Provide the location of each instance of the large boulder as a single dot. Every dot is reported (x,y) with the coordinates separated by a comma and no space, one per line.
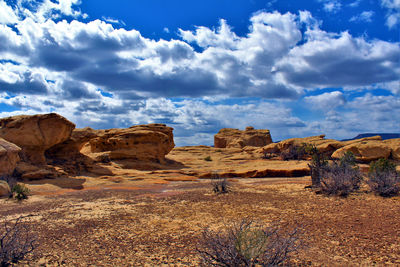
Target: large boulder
(365,150)
(235,138)
(35,134)
(4,189)
(8,157)
(394,145)
(142,142)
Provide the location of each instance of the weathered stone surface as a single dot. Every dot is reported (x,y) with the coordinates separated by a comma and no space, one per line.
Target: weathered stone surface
(365,151)
(229,138)
(143,142)
(8,157)
(72,147)
(35,134)
(4,189)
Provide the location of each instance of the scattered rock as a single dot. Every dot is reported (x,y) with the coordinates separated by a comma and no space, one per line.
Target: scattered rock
(8,157)
(228,138)
(35,134)
(4,189)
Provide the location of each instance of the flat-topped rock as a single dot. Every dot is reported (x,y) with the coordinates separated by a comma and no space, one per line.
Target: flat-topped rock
(228,138)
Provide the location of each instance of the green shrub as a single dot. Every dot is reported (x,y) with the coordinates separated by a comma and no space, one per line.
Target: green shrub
(317,166)
(208,158)
(20,191)
(383,178)
(296,152)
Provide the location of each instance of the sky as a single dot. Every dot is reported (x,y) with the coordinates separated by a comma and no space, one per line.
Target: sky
(298,68)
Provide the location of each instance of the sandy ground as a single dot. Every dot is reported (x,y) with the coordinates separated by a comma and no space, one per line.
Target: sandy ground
(113,223)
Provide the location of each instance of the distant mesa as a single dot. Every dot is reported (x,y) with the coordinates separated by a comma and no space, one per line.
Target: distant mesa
(235,138)
(384,136)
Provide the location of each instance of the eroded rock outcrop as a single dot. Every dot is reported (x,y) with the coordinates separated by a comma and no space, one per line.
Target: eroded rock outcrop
(235,138)
(35,134)
(8,157)
(366,149)
(326,146)
(142,142)
(71,148)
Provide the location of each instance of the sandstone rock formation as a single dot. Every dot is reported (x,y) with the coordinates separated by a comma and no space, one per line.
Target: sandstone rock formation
(35,134)
(4,189)
(229,138)
(142,142)
(8,157)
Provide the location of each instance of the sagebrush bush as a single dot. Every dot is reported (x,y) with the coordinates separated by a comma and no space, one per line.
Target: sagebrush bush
(219,185)
(296,152)
(317,166)
(341,177)
(16,241)
(248,244)
(383,178)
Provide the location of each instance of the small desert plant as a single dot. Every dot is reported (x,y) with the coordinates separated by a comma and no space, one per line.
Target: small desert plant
(208,158)
(20,191)
(15,242)
(341,177)
(296,152)
(383,178)
(219,185)
(317,166)
(248,244)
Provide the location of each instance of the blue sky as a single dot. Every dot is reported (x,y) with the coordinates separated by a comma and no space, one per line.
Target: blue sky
(298,68)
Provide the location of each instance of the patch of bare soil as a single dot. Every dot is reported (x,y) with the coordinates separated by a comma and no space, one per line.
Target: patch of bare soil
(160,224)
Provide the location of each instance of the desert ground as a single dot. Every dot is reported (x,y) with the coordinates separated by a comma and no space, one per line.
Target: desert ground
(155,216)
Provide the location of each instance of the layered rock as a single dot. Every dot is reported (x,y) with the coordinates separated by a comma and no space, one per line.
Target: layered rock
(142,142)
(235,138)
(394,145)
(8,157)
(35,134)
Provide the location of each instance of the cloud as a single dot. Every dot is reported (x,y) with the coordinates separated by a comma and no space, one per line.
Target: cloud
(7,14)
(326,101)
(355,3)
(393,12)
(331,6)
(365,16)
(48,63)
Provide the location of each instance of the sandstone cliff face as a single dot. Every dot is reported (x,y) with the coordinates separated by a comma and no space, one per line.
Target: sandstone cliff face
(234,138)
(4,189)
(8,157)
(35,134)
(142,142)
